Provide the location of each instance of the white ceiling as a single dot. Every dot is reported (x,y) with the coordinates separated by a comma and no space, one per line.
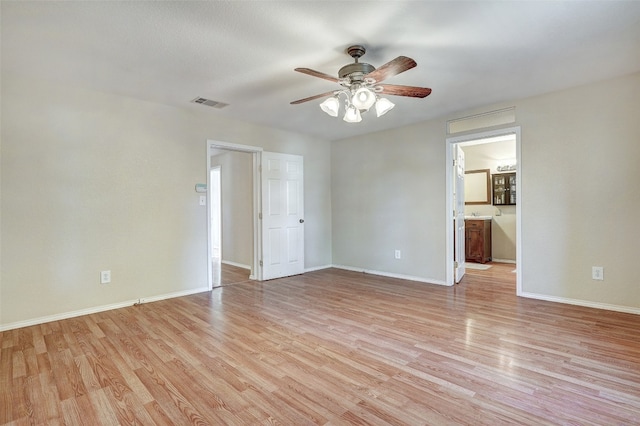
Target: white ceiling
(243,53)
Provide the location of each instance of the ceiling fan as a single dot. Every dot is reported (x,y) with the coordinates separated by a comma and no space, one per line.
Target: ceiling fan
(361,86)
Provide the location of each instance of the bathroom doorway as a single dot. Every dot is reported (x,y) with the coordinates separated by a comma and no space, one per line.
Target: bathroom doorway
(493,150)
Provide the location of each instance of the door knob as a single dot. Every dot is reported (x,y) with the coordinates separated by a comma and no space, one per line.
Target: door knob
(301,220)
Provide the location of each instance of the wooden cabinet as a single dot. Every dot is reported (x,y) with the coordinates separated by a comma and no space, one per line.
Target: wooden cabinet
(477,240)
(504,189)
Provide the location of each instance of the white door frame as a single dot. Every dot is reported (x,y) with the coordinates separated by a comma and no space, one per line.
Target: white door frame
(450,141)
(256,271)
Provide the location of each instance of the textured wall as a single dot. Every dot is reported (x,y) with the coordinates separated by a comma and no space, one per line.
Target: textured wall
(579,174)
(92,181)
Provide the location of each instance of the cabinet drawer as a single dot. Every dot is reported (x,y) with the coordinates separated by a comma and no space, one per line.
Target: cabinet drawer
(471,223)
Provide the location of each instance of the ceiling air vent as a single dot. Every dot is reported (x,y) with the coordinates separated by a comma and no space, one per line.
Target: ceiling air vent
(209,102)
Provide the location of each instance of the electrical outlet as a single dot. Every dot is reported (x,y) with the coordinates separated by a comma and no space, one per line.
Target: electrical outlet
(398,254)
(105,277)
(597,273)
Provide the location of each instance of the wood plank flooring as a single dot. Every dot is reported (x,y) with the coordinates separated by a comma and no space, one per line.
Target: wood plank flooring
(229,274)
(234,274)
(330,347)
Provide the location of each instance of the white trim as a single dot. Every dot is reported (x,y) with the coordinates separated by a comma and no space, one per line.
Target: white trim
(318,268)
(499,113)
(584,303)
(256,270)
(96,309)
(238,265)
(450,141)
(232,146)
(503,260)
(390,275)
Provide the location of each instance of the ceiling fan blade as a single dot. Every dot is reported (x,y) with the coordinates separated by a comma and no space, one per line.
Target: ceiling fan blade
(412,91)
(391,68)
(310,98)
(318,74)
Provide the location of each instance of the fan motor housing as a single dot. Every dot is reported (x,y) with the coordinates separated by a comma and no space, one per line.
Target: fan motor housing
(358,67)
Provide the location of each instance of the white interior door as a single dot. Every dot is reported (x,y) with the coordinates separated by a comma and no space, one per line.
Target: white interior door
(282,215)
(458,195)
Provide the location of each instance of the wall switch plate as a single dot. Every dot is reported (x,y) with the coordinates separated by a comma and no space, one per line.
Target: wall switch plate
(105,277)
(203,200)
(597,273)
(398,254)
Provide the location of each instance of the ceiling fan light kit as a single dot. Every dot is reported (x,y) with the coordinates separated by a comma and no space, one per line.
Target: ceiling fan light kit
(331,106)
(352,115)
(363,99)
(383,105)
(361,86)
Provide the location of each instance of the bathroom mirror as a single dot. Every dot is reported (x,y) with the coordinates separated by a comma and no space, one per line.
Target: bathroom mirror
(477,186)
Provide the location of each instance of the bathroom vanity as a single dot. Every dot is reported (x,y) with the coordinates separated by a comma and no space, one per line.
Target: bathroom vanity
(477,238)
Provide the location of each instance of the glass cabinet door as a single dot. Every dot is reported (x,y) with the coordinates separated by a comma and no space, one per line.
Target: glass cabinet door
(504,189)
(512,189)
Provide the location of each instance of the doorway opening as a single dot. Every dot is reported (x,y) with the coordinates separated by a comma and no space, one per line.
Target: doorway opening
(250,248)
(276,235)
(491,211)
(215,199)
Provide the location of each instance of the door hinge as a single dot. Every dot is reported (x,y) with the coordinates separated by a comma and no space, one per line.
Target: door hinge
(455,265)
(261,263)
(260,215)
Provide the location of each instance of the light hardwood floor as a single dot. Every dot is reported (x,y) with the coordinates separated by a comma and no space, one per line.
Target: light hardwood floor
(330,347)
(229,274)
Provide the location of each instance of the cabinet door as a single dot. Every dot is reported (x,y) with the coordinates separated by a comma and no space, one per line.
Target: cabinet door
(474,247)
(478,240)
(499,190)
(504,189)
(475,244)
(512,189)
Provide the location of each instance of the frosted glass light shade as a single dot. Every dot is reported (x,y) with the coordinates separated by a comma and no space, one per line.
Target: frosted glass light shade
(363,99)
(331,106)
(383,106)
(352,115)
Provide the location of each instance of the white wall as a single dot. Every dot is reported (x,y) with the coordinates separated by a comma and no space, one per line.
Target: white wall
(93,181)
(579,173)
(388,194)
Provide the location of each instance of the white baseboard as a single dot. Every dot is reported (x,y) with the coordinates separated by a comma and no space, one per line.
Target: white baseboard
(317,268)
(579,302)
(391,275)
(239,265)
(96,309)
(503,261)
